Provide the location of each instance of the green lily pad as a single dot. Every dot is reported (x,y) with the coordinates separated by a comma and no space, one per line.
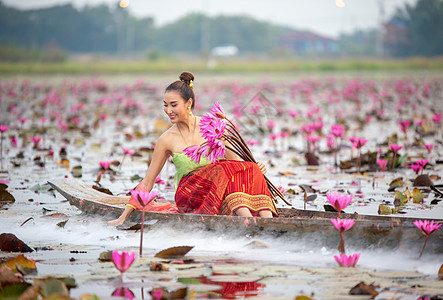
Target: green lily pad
(417,195)
(13,291)
(383,209)
(6,197)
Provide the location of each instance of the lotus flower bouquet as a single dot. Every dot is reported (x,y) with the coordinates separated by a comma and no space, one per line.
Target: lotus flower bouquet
(221,134)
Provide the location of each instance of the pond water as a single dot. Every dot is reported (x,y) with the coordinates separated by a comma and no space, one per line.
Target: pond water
(102,115)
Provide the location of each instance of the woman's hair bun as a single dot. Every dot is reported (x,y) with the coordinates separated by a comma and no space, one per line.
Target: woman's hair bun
(186,77)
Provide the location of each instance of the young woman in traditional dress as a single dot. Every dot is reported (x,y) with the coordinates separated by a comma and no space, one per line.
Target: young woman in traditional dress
(227,187)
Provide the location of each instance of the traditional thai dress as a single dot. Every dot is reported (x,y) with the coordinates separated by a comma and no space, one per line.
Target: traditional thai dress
(220,188)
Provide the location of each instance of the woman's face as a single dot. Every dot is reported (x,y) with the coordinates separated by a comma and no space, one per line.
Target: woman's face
(175,106)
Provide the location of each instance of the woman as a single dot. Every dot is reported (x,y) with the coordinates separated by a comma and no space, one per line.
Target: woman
(228,187)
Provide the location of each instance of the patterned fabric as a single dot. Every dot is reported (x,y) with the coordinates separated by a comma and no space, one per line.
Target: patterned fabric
(223,187)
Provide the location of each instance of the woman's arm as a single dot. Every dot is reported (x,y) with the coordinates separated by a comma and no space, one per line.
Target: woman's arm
(158,161)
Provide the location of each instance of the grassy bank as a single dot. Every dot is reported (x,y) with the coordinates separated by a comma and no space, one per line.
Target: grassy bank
(221,66)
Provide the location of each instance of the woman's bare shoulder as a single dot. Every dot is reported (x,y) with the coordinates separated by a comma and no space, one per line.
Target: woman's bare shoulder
(165,141)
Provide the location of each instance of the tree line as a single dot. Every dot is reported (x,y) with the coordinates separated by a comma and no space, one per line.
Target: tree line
(48,33)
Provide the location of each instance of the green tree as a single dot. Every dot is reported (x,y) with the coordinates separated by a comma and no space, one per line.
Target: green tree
(424,23)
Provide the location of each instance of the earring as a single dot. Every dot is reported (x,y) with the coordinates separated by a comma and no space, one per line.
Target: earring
(190,111)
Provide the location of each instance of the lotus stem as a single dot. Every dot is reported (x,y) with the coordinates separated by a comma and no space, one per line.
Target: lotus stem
(341,246)
(141,232)
(424,245)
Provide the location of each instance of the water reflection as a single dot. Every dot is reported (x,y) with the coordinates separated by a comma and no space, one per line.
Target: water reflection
(123,292)
(228,289)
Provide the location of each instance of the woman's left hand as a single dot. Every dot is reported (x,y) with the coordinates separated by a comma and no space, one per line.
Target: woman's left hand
(262,167)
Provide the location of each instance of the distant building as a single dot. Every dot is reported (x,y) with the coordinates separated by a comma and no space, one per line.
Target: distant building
(225,50)
(395,37)
(305,42)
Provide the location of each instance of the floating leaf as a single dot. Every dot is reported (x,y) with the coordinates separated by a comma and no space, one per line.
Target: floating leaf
(136,178)
(21,264)
(257,245)
(158,267)
(329,207)
(401,159)
(417,195)
(62,223)
(102,189)
(435,201)
(364,289)
(174,252)
(105,256)
(3,186)
(13,291)
(6,197)
(399,198)
(307,188)
(52,286)
(7,276)
(302,297)
(285,173)
(311,198)
(408,195)
(398,182)
(383,209)
(77,171)
(423,180)
(177,294)
(440,273)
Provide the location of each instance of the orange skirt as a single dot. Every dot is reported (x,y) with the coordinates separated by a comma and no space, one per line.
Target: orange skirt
(222,187)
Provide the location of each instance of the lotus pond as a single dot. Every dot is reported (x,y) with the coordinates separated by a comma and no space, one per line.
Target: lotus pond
(368,135)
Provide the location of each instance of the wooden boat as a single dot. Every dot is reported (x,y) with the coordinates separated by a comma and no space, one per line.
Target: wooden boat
(315,226)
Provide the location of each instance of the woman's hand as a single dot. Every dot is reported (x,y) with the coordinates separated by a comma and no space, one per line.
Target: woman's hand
(262,167)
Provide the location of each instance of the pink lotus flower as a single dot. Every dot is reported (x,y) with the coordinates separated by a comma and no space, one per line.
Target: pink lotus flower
(422,162)
(35,140)
(271,125)
(437,117)
(337,130)
(427,228)
(14,141)
(193,153)
(127,151)
(217,111)
(4,128)
(382,163)
(404,125)
(342,225)
(338,201)
(122,261)
(22,120)
(144,197)
(395,147)
(347,261)
(416,167)
(104,164)
(126,293)
(217,150)
(358,142)
(428,147)
(273,136)
(252,142)
(212,128)
(293,113)
(158,180)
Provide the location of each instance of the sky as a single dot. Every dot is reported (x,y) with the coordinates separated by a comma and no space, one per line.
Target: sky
(326,17)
